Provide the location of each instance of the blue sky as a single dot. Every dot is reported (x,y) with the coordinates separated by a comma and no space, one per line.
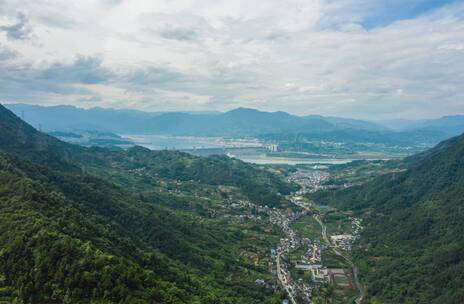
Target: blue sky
(395,10)
(357,58)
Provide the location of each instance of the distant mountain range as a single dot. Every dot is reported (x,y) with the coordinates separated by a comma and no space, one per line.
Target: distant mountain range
(238,122)
(451,125)
(241,122)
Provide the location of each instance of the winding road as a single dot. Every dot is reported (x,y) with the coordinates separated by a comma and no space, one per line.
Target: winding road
(361,292)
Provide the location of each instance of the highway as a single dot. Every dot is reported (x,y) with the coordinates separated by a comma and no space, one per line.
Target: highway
(361,292)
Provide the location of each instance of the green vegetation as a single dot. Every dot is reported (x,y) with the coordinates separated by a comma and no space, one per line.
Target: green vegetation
(411,250)
(146,166)
(331,260)
(331,294)
(83,225)
(361,171)
(100,225)
(337,222)
(308,227)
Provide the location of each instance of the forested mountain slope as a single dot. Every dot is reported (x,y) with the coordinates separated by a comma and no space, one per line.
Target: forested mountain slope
(21,139)
(69,236)
(412,249)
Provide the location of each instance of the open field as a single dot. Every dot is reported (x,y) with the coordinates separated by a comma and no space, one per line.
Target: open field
(307,227)
(337,223)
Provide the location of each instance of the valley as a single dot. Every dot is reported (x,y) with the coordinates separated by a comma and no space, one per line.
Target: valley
(174,227)
(231,152)
(311,264)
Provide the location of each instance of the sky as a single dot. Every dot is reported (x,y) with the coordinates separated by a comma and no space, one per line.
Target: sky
(370,59)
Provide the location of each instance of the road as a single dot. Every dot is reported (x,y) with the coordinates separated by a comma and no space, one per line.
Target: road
(283,282)
(361,292)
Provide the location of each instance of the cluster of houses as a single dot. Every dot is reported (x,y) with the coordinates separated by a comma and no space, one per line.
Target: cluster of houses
(308,180)
(345,241)
(247,211)
(311,258)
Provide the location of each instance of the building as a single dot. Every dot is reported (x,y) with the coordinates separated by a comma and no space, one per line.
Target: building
(272,147)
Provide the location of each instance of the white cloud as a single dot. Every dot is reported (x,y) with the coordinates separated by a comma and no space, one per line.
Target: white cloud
(302,56)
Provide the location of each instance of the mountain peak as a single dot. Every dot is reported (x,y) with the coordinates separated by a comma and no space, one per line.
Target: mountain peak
(243,110)
(251,111)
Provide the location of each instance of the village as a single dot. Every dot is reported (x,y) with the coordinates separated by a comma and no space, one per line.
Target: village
(298,261)
(311,259)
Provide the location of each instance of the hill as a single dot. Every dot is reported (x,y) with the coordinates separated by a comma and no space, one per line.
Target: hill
(112,226)
(412,247)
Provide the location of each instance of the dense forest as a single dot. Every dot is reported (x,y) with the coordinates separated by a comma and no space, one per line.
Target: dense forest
(412,249)
(75,226)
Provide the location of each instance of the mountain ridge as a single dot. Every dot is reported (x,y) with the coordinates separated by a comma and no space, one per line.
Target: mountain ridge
(50,118)
(239,122)
(413,224)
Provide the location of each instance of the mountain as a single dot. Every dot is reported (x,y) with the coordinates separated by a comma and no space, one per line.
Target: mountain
(348,123)
(66,118)
(449,125)
(239,122)
(97,225)
(23,140)
(412,248)
(292,133)
(399,125)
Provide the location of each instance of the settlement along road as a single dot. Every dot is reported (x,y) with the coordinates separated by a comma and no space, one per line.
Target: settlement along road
(360,298)
(284,281)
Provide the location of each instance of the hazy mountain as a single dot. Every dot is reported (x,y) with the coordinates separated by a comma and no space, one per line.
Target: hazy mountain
(241,122)
(450,125)
(238,122)
(65,118)
(413,228)
(399,124)
(349,123)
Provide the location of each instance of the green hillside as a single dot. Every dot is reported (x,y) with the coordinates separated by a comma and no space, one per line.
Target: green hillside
(412,249)
(81,225)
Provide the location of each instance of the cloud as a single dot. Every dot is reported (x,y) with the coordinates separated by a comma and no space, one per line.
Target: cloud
(84,69)
(6,53)
(21,30)
(179,34)
(152,77)
(359,58)
(51,82)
